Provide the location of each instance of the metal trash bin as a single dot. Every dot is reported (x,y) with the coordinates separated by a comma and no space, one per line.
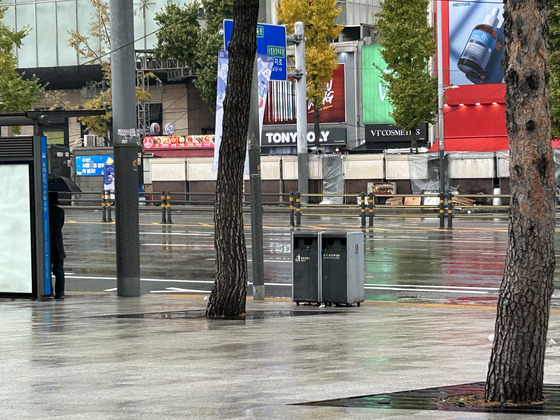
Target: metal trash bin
(305,267)
(342,268)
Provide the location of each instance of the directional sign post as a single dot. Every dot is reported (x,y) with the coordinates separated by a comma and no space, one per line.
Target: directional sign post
(271,40)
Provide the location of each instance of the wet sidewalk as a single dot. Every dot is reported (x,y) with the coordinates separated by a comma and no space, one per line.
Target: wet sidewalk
(98,356)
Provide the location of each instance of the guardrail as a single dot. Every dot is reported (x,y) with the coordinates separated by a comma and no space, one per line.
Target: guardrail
(365,207)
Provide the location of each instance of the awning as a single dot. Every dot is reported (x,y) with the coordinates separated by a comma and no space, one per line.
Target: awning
(472,144)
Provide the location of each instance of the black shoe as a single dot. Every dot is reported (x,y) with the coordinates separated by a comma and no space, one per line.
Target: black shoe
(59,297)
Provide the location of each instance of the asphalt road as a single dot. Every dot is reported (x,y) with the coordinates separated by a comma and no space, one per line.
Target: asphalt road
(405,258)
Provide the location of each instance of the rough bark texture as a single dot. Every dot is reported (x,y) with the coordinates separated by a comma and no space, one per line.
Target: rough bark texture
(230,286)
(515,371)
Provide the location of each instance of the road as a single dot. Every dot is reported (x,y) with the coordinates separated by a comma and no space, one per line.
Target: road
(405,258)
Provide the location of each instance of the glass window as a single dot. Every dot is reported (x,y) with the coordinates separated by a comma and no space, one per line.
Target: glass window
(25,16)
(46,41)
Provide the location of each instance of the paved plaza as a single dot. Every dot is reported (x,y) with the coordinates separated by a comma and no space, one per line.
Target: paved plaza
(95,355)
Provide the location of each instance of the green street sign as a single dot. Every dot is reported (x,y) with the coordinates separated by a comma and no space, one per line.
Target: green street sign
(275,51)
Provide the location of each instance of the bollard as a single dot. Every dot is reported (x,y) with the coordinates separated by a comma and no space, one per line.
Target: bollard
(450,211)
(168,200)
(163,219)
(298,209)
(441,210)
(363,209)
(370,207)
(108,200)
(291,209)
(103,208)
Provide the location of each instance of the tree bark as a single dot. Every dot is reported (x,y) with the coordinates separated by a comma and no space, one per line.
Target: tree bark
(515,372)
(229,292)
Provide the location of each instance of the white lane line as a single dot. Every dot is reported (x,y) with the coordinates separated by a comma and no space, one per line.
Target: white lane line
(434,287)
(399,289)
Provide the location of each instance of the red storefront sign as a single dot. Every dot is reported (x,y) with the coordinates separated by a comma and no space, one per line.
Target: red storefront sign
(178,142)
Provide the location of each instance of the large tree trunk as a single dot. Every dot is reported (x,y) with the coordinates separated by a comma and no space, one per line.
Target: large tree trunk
(515,371)
(230,286)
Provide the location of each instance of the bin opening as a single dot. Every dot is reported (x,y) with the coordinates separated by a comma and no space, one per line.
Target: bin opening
(332,241)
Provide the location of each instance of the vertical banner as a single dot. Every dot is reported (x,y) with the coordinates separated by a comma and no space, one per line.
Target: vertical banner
(109,176)
(45,218)
(220,97)
(376,106)
(264,70)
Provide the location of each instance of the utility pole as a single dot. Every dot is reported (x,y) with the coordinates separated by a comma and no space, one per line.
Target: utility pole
(254,139)
(301,111)
(126,149)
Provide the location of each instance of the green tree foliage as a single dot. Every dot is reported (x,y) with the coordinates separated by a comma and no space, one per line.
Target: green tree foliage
(408,44)
(16,93)
(319,18)
(554,65)
(181,36)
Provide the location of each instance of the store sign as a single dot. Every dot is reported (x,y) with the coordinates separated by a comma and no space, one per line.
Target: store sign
(178,142)
(390,133)
(329,137)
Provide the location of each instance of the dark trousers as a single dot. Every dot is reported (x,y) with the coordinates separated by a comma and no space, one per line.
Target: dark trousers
(58,271)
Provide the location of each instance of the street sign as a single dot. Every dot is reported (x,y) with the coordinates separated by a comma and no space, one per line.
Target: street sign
(127,132)
(271,40)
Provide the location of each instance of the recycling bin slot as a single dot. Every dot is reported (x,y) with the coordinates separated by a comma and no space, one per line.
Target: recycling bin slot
(342,268)
(305,267)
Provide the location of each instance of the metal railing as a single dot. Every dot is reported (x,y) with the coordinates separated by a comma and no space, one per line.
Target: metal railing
(366,207)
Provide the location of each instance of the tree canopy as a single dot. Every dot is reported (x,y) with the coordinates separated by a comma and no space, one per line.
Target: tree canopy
(16,93)
(181,36)
(319,17)
(408,45)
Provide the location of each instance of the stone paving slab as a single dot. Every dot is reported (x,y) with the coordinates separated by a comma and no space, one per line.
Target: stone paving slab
(92,356)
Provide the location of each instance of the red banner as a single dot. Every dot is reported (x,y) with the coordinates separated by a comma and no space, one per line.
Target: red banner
(281,101)
(178,142)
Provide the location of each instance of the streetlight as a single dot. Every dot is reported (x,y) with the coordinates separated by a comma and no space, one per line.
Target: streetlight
(441,90)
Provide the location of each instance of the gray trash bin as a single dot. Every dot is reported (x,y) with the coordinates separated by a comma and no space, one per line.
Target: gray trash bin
(342,268)
(305,267)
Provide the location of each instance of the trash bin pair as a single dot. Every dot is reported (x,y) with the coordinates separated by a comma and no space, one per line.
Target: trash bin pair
(328,267)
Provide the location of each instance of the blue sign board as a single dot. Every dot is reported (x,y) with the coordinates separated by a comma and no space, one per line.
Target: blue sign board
(271,40)
(91,165)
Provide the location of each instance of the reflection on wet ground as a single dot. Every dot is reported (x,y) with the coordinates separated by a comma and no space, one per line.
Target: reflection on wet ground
(201,315)
(405,259)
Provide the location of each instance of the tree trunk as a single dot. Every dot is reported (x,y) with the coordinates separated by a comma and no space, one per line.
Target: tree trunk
(516,367)
(230,286)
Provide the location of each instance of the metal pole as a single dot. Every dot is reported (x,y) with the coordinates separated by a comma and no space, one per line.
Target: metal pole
(440,102)
(253,136)
(301,112)
(126,168)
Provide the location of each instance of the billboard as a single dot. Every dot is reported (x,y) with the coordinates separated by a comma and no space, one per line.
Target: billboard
(476,40)
(376,106)
(91,165)
(281,101)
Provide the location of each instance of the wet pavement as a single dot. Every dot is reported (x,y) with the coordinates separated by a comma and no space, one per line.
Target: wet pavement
(94,355)
(430,307)
(405,258)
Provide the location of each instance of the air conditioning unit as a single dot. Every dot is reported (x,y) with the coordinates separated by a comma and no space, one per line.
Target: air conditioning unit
(90,140)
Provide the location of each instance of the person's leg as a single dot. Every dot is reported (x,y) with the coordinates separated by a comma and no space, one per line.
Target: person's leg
(58,271)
